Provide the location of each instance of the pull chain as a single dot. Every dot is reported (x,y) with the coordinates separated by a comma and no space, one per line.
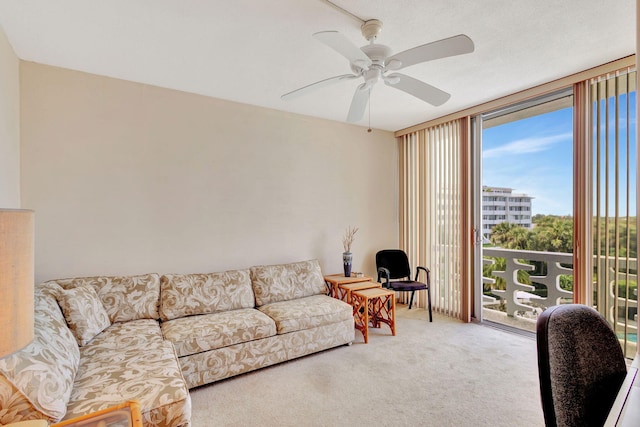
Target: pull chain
(369,130)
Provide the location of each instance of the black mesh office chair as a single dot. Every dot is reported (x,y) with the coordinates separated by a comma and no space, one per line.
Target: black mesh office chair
(580,365)
(393,264)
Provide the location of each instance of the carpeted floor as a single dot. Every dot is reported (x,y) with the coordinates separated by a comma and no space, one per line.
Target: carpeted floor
(444,373)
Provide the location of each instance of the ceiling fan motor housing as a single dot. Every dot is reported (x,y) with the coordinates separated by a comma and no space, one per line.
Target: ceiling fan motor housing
(378,53)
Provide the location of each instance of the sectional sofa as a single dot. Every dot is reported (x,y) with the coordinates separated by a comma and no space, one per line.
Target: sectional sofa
(103,340)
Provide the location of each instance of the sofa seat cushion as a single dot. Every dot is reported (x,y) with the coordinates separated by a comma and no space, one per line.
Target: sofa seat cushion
(131,361)
(134,334)
(307,313)
(196,334)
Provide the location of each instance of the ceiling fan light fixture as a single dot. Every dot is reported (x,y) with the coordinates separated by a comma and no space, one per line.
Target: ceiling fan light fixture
(372,76)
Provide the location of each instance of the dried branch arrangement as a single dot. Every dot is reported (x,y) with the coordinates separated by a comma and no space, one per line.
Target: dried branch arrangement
(348,238)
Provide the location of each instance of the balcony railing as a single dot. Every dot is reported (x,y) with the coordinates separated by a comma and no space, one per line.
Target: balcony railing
(523,302)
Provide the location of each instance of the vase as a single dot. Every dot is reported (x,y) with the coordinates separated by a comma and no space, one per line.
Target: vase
(347,257)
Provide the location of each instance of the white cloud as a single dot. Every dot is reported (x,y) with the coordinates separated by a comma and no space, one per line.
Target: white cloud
(526,145)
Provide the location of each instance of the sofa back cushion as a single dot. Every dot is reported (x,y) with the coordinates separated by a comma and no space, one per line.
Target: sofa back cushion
(275,283)
(36,382)
(124,297)
(192,294)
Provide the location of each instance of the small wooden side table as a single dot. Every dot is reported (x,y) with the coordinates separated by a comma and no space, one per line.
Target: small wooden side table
(345,290)
(335,280)
(375,305)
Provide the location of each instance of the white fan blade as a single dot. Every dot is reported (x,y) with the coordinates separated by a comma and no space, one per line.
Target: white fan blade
(452,46)
(419,89)
(313,86)
(344,47)
(359,103)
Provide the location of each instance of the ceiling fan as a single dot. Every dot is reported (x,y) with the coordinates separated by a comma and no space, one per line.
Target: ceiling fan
(375,62)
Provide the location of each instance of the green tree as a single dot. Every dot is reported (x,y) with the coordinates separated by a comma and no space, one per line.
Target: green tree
(510,236)
(552,234)
(549,234)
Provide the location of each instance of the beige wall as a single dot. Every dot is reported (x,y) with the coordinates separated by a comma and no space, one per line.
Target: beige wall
(9,126)
(127,178)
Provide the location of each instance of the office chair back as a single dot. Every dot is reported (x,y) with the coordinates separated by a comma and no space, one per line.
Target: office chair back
(396,261)
(580,365)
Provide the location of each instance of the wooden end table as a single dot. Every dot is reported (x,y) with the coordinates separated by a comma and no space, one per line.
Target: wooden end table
(335,280)
(375,305)
(345,290)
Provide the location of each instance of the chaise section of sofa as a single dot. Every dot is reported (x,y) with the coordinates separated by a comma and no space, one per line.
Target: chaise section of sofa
(76,366)
(129,360)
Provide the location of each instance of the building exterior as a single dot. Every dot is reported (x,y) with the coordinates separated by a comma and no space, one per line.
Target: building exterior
(500,204)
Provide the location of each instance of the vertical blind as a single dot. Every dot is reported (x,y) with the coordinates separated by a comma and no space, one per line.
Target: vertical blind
(431,214)
(614,208)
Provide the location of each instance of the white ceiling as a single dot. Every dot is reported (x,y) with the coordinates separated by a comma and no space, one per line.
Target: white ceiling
(253,51)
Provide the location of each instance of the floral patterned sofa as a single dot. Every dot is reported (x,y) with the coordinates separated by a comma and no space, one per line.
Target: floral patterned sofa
(103,340)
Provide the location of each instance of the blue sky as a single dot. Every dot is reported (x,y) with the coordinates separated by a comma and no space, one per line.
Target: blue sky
(535,156)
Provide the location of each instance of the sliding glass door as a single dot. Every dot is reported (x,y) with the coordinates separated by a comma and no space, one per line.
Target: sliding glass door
(558,179)
(526,228)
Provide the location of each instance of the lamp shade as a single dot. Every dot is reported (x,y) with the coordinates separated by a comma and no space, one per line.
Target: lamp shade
(16,279)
